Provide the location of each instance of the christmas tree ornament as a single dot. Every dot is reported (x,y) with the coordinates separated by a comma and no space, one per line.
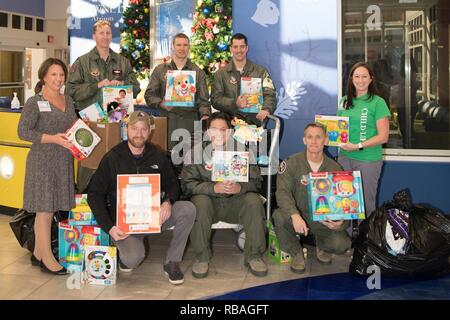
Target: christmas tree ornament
(208,55)
(136,54)
(222,46)
(207,11)
(218,8)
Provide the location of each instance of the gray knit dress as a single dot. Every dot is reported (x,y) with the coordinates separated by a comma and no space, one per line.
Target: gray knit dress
(49,182)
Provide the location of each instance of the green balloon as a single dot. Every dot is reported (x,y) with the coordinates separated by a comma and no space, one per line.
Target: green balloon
(84,137)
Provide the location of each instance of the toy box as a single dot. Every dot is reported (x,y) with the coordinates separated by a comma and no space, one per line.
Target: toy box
(82,214)
(117,101)
(72,241)
(336,195)
(337,129)
(180,88)
(230,165)
(275,253)
(251,89)
(100,265)
(138,203)
(93,112)
(83,139)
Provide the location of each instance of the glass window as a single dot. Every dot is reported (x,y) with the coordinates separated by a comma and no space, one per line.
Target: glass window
(3,19)
(16,21)
(407,45)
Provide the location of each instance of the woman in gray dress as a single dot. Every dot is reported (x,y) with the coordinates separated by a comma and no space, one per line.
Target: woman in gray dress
(49,184)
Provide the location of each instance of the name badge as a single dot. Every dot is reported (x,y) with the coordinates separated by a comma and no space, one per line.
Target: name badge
(44,106)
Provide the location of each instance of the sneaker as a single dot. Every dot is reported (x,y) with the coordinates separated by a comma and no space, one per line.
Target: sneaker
(172,270)
(200,269)
(123,267)
(257,267)
(322,256)
(298,263)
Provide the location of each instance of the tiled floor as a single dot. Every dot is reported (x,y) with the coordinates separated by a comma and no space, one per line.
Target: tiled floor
(19,280)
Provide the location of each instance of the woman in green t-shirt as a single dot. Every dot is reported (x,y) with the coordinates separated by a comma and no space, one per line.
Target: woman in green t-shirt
(369,129)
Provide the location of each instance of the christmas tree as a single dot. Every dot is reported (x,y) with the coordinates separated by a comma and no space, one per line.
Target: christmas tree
(134,40)
(211,33)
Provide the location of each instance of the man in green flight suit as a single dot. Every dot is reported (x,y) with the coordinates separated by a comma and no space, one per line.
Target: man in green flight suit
(226,86)
(179,117)
(227,201)
(96,69)
(293,216)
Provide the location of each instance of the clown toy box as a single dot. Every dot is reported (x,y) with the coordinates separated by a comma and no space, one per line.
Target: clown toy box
(336,195)
(251,90)
(337,129)
(180,88)
(100,265)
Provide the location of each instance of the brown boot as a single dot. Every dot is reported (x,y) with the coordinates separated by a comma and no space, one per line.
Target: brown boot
(322,256)
(298,263)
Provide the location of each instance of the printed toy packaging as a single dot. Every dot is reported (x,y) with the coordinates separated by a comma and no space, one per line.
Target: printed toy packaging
(92,113)
(337,129)
(138,203)
(72,241)
(82,214)
(275,253)
(336,195)
(117,101)
(251,89)
(230,165)
(100,265)
(180,88)
(83,139)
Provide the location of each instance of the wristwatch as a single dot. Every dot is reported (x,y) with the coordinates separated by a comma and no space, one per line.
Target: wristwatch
(360,146)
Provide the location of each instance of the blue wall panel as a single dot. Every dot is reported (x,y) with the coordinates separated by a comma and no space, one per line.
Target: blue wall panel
(26,7)
(427,181)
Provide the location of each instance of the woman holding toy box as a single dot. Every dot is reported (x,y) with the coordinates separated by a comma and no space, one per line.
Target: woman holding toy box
(49,185)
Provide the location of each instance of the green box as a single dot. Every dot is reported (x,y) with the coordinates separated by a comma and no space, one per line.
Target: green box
(274,252)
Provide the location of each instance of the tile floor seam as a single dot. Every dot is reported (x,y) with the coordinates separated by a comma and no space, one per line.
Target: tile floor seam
(31,293)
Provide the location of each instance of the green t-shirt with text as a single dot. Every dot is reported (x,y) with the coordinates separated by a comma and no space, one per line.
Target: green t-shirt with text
(363,125)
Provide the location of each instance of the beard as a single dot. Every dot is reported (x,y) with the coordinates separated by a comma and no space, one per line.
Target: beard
(137,142)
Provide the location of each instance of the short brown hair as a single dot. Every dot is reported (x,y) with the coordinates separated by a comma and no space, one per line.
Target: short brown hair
(315,125)
(100,23)
(179,35)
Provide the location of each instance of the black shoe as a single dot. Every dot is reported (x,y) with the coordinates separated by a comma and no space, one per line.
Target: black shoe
(44,268)
(34,260)
(123,267)
(172,270)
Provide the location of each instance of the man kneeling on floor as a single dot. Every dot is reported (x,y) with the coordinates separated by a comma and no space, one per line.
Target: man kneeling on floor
(138,156)
(292,216)
(231,202)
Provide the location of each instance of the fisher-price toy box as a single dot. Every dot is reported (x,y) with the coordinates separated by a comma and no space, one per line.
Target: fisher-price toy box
(72,241)
(337,129)
(82,214)
(336,195)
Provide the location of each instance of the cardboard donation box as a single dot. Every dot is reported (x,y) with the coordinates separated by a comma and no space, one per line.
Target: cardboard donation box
(336,195)
(138,203)
(159,133)
(109,134)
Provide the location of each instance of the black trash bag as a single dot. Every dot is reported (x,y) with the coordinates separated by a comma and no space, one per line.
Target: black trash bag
(427,249)
(22,225)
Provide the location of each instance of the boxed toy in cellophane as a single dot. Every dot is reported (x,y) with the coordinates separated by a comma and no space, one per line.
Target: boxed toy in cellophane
(337,129)
(251,90)
(180,88)
(72,241)
(100,265)
(275,253)
(336,195)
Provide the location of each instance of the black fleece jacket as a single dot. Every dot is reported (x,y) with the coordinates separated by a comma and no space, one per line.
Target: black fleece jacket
(102,191)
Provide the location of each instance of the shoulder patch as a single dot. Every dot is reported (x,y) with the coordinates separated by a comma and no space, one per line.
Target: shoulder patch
(282,168)
(73,67)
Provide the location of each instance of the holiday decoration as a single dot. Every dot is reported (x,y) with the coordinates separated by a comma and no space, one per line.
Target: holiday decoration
(134,38)
(211,34)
